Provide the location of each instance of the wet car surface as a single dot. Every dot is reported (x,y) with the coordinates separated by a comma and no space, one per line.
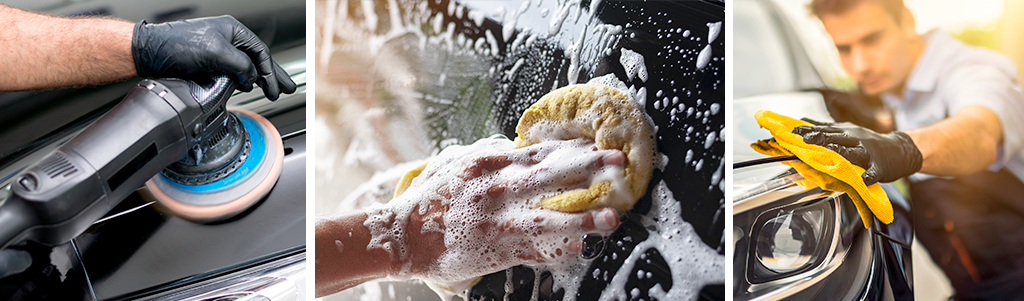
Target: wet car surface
(465,71)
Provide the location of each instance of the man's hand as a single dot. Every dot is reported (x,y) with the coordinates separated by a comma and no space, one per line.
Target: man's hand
(481,221)
(885,157)
(855,107)
(467,214)
(207,46)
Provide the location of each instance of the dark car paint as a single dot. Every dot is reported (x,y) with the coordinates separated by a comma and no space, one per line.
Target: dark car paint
(701,206)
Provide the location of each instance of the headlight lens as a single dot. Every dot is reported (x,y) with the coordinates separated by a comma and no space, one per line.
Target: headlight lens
(788,239)
(788,242)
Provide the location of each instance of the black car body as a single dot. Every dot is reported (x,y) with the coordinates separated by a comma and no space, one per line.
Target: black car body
(138,251)
(790,242)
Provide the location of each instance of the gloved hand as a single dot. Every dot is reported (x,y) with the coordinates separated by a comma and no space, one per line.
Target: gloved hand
(853,107)
(206,46)
(885,157)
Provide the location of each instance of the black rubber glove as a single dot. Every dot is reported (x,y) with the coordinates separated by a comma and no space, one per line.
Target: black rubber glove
(216,45)
(885,157)
(853,107)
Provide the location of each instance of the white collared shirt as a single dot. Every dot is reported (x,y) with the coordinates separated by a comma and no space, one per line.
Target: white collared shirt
(950,75)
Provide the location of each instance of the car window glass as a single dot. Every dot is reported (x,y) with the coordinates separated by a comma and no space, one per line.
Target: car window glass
(761,50)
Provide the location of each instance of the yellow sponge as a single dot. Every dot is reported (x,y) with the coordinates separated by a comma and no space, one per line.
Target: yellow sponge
(607,115)
(406,179)
(822,166)
(595,111)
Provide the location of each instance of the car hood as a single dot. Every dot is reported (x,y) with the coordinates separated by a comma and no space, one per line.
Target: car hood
(746,131)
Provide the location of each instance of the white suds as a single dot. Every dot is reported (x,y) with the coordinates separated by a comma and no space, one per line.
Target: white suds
(477,17)
(558,19)
(634,64)
(693,263)
(512,72)
(574,58)
(474,244)
(705,54)
(704,57)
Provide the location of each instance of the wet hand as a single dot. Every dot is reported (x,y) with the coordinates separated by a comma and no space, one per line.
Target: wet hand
(472,209)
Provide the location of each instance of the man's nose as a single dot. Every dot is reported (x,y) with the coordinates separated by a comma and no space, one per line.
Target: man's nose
(858,61)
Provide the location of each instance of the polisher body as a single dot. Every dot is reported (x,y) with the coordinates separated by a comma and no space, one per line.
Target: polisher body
(154,126)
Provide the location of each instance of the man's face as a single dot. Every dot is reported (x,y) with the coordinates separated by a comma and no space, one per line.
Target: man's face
(874,48)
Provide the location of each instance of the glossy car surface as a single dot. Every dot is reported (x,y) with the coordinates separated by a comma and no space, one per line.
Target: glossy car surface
(790,242)
(139,251)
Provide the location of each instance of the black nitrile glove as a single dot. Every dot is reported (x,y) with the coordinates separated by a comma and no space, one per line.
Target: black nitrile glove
(853,107)
(885,157)
(216,45)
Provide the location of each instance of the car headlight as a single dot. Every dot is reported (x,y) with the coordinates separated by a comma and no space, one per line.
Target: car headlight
(790,240)
(786,237)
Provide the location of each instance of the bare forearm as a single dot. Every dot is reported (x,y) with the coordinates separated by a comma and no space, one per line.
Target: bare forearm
(963,144)
(41,52)
(342,260)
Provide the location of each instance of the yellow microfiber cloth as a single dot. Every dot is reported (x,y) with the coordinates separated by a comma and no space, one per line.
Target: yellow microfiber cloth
(821,166)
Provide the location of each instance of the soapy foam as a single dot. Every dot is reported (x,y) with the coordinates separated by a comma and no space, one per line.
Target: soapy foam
(522,36)
(566,6)
(705,54)
(634,64)
(704,57)
(574,58)
(563,12)
(473,246)
(693,263)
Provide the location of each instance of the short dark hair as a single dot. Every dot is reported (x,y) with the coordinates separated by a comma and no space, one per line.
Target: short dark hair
(823,7)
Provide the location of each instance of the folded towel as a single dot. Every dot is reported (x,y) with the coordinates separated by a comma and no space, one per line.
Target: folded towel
(821,166)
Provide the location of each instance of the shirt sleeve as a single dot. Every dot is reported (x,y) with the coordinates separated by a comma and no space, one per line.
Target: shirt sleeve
(987,86)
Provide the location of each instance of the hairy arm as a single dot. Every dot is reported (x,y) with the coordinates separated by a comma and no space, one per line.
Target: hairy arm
(41,51)
(963,144)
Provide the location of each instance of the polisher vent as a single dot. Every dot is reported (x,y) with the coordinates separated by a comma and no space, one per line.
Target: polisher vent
(57,165)
(212,117)
(216,138)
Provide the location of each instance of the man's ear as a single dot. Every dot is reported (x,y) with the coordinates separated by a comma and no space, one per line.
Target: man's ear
(907,23)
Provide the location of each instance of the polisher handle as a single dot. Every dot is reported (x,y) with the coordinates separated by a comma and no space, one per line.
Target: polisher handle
(62,195)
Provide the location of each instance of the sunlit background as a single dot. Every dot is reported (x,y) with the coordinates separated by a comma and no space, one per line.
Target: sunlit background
(993,24)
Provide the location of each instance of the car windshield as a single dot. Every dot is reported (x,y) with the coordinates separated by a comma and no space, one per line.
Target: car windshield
(768,65)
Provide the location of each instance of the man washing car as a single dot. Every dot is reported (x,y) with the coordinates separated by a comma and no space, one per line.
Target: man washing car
(959,116)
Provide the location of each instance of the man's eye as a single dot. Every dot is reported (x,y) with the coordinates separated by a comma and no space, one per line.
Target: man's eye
(872,38)
(843,49)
